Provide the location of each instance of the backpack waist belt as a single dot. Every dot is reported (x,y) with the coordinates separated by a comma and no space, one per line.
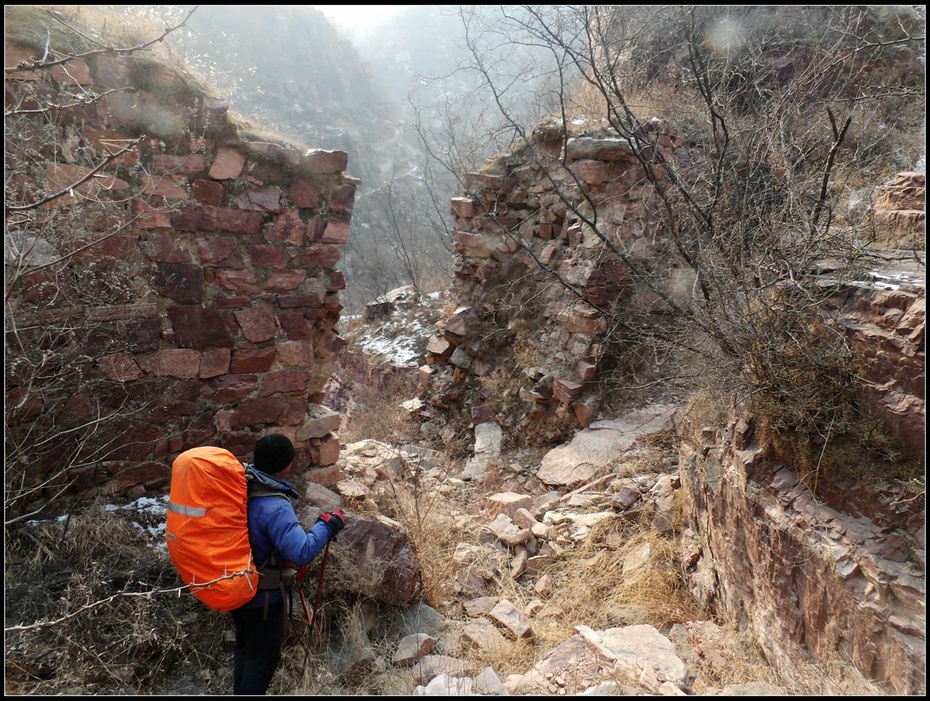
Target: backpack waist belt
(276,577)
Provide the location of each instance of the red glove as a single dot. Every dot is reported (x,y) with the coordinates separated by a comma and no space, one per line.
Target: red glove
(334,520)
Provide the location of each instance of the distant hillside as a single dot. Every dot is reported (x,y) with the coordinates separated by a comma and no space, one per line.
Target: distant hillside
(287,68)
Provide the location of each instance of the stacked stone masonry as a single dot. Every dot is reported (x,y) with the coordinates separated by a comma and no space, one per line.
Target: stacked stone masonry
(511,220)
(234,244)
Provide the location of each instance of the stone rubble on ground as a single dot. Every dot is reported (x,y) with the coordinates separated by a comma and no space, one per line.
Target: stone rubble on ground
(518,534)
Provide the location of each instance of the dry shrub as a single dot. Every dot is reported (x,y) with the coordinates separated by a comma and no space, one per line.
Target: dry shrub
(375,411)
(854,448)
(430,522)
(33,25)
(129,28)
(654,450)
(708,408)
(836,678)
(79,29)
(732,658)
(92,607)
(250,131)
(515,657)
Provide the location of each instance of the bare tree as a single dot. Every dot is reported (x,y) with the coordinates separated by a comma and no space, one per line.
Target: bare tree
(768,117)
(64,213)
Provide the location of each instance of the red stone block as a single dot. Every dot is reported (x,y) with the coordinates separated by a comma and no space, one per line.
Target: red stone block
(187,164)
(566,390)
(257,323)
(267,255)
(214,363)
(119,367)
(171,362)
(257,411)
(145,216)
(285,382)
(288,227)
(237,222)
(208,191)
(343,199)
(304,193)
(240,281)
(295,325)
(249,360)
(336,232)
(285,280)
(195,327)
(265,200)
(320,161)
(463,207)
(227,164)
(231,388)
(311,301)
(295,354)
(221,251)
(321,255)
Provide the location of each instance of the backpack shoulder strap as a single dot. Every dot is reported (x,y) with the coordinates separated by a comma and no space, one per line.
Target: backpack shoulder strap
(259,484)
(257,489)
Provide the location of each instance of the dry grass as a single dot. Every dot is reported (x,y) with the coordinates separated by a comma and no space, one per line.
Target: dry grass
(432,525)
(81,616)
(375,413)
(624,574)
(250,131)
(77,29)
(74,30)
(34,26)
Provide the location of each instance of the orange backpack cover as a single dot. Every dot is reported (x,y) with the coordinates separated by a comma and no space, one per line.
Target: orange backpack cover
(207,527)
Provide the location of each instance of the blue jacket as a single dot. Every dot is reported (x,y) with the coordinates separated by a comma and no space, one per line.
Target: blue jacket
(274,528)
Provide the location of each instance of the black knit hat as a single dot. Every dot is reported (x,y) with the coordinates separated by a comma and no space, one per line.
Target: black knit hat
(273,453)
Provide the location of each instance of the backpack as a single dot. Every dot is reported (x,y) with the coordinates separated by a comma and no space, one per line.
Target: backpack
(206,527)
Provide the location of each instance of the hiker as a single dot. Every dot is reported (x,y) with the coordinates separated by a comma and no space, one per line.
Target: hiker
(279,546)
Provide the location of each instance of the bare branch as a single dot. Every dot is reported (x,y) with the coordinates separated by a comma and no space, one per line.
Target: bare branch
(176,591)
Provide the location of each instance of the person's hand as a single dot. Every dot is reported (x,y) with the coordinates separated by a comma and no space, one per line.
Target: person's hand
(334,520)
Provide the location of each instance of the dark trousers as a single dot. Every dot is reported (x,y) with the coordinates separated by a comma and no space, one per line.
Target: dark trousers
(258,647)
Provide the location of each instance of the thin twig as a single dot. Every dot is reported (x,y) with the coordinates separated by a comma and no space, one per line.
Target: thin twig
(124,594)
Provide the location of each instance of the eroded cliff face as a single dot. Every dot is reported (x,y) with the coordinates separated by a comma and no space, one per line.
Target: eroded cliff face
(836,573)
(228,248)
(813,582)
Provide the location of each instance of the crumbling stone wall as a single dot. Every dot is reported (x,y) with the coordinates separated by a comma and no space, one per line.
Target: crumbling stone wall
(233,245)
(510,227)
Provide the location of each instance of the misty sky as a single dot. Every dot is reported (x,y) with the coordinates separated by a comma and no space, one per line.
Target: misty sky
(358,16)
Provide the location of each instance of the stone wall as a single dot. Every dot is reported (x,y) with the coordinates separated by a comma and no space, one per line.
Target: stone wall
(515,236)
(230,245)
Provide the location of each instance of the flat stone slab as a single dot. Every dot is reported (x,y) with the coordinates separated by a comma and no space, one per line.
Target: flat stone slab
(591,452)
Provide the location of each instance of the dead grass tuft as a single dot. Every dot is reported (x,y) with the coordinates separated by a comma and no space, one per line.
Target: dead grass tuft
(374,411)
(731,658)
(431,524)
(250,131)
(624,574)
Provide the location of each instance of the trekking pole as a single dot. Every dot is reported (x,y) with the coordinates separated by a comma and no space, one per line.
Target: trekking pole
(319,589)
(301,574)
